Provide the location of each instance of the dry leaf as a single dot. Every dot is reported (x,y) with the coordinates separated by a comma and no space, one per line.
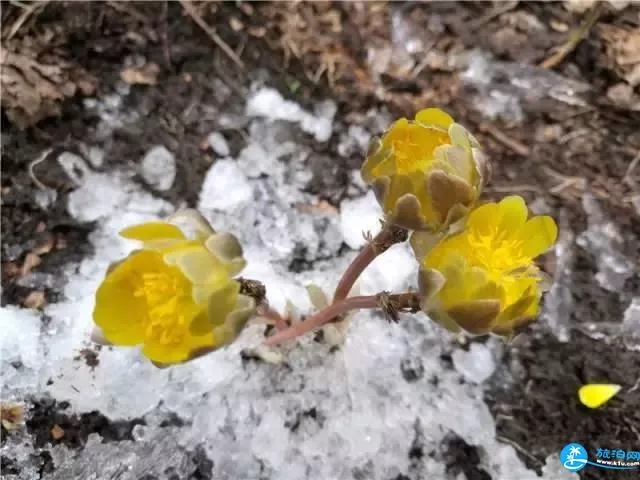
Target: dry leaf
(11,415)
(623,96)
(144,75)
(57,432)
(34,89)
(35,300)
(236,25)
(31,261)
(622,52)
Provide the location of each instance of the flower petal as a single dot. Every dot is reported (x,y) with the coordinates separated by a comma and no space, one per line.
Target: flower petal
(434,117)
(152,231)
(597,394)
(538,235)
(197,264)
(513,214)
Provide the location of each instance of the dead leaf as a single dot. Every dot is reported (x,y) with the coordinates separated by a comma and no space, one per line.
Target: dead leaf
(622,52)
(34,88)
(57,432)
(45,247)
(31,261)
(11,415)
(321,207)
(36,300)
(236,25)
(10,269)
(623,96)
(257,32)
(144,75)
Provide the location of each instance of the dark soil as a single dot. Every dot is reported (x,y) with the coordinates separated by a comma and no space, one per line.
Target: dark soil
(538,410)
(74,429)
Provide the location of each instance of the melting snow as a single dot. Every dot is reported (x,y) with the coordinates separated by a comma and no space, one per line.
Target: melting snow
(325,414)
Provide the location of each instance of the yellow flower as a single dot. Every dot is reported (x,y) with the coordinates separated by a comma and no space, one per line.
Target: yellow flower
(175,296)
(426,173)
(484,279)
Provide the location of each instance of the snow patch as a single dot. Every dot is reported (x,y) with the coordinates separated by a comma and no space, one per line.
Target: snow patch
(158,168)
(359,216)
(218,144)
(225,187)
(268,103)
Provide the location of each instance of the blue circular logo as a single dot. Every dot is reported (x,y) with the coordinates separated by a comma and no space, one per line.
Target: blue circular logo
(574,457)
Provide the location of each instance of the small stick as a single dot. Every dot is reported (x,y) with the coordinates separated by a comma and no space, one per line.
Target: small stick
(514,145)
(188,7)
(631,167)
(575,37)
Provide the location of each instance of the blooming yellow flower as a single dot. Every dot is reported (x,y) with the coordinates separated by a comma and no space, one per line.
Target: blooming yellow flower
(176,296)
(426,173)
(484,279)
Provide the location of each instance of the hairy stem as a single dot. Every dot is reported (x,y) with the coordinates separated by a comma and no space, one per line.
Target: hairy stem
(389,235)
(391,304)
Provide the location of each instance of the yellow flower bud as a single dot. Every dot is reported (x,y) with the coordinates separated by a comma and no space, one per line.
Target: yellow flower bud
(484,279)
(426,173)
(175,296)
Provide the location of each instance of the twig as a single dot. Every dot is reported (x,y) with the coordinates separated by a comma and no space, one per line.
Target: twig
(631,167)
(507,141)
(575,37)
(41,158)
(165,34)
(126,7)
(188,7)
(26,13)
(495,12)
(518,447)
(513,188)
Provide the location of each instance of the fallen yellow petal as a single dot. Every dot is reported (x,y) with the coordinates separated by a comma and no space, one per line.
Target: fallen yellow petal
(597,394)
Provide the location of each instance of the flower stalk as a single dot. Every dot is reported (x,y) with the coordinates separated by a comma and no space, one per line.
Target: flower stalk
(392,305)
(388,236)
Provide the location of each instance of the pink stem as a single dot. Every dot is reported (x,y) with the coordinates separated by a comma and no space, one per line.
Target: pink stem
(353,272)
(271,314)
(388,236)
(322,317)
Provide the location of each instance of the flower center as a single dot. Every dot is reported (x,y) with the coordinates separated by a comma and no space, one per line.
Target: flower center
(413,148)
(497,253)
(163,294)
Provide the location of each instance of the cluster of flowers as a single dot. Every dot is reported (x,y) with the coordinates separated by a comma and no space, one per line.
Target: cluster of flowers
(178,298)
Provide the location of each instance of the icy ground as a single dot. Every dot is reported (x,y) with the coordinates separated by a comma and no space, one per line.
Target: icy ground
(355,412)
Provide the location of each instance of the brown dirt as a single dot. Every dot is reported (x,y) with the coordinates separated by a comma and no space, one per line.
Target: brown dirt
(316,51)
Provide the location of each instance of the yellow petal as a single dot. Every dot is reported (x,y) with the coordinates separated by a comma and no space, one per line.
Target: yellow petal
(513,212)
(118,313)
(597,394)
(484,219)
(197,264)
(222,303)
(152,231)
(538,235)
(434,117)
